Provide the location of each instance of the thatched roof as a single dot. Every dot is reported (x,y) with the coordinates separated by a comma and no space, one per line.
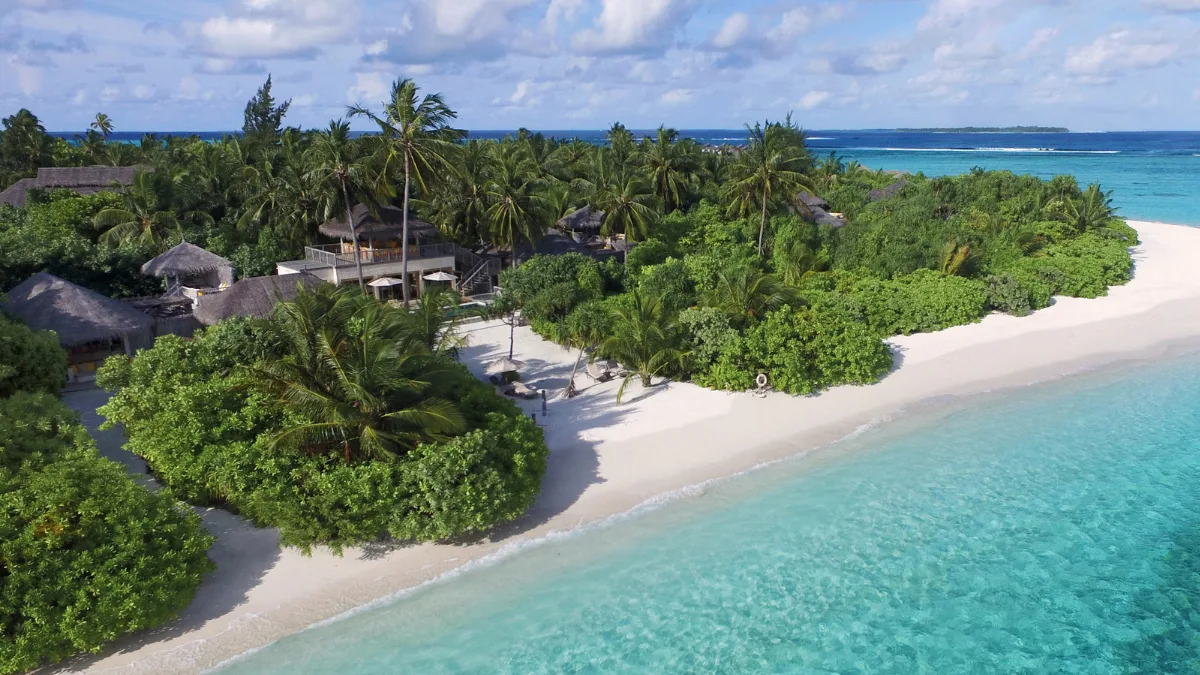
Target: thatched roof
(810,200)
(557,243)
(185,260)
(586,219)
(388,225)
(82,179)
(78,315)
(822,217)
(888,192)
(253,297)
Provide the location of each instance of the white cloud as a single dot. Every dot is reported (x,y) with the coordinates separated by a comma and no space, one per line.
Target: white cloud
(109,94)
(434,31)
(952,13)
(29,76)
(676,96)
(304,101)
(521,91)
(369,88)
(632,26)
(791,25)
(143,92)
(1117,52)
(814,98)
(277,28)
(189,89)
(79,98)
(732,31)
(1040,39)
(976,52)
(561,11)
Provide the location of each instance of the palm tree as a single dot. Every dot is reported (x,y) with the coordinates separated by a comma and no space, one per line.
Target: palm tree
(830,169)
(769,168)
(434,322)
(629,206)
(417,133)
(516,208)
(671,167)
(1091,211)
(745,292)
(644,339)
(354,379)
(461,202)
(103,124)
(148,213)
(337,168)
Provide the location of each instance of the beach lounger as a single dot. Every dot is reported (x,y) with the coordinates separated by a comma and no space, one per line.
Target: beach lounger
(599,371)
(522,390)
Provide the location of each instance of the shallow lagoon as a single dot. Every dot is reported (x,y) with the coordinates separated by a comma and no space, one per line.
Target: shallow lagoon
(1049,529)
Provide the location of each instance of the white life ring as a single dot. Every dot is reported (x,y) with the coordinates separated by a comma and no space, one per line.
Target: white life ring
(761,380)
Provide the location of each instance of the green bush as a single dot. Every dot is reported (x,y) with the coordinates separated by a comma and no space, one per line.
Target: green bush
(1083,267)
(188,410)
(30,360)
(86,555)
(921,302)
(801,351)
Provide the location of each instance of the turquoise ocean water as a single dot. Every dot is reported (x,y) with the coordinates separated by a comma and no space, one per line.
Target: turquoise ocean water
(1053,529)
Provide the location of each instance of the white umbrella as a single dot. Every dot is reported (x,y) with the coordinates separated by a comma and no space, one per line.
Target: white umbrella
(384,282)
(505,366)
(440,276)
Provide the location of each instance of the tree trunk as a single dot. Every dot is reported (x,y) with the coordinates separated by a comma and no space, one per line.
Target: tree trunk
(404,242)
(362,286)
(762,228)
(512,334)
(647,380)
(571,382)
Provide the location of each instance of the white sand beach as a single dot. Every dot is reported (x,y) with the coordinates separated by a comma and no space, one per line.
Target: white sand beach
(606,459)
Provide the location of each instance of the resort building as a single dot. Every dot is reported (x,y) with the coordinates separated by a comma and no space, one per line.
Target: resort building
(380,234)
(253,297)
(84,180)
(191,271)
(90,326)
(816,210)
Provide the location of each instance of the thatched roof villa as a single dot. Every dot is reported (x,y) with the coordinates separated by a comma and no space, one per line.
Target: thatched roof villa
(386,224)
(887,192)
(90,326)
(253,297)
(584,221)
(817,210)
(84,180)
(191,266)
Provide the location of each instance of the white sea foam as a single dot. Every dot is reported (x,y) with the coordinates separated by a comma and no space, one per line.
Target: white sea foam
(1014,150)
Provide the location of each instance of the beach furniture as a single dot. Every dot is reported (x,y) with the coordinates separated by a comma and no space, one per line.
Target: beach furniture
(599,371)
(521,390)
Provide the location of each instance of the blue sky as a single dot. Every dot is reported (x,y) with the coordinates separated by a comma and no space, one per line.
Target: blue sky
(581,64)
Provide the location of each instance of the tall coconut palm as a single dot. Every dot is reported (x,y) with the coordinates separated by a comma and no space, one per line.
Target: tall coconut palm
(103,124)
(516,208)
(354,378)
(629,205)
(434,322)
(416,134)
(338,169)
(460,203)
(645,339)
(768,169)
(671,166)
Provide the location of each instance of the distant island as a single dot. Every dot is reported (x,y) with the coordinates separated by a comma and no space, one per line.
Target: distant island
(993,130)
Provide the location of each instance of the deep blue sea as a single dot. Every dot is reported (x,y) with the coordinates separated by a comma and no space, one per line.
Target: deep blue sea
(1154,175)
(1055,529)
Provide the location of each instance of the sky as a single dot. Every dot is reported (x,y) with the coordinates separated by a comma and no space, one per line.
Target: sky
(190,65)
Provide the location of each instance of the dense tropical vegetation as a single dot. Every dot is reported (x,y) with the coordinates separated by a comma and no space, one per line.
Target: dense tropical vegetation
(86,554)
(339,420)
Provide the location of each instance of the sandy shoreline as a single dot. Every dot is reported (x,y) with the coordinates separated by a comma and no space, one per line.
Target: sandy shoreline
(607,459)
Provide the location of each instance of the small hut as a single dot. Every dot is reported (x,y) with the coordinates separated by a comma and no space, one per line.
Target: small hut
(84,180)
(582,223)
(887,192)
(189,266)
(253,297)
(812,201)
(90,326)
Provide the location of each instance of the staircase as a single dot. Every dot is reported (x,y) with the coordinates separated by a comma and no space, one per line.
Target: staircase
(478,278)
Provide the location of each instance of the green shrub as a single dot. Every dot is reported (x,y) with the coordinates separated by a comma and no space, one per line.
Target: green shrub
(86,555)
(921,302)
(30,360)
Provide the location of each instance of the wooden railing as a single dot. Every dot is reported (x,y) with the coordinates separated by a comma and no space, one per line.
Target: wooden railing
(332,255)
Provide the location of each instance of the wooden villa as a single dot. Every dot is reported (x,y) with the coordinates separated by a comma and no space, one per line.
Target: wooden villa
(816,210)
(90,326)
(381,253)
(253,297)
(191,271)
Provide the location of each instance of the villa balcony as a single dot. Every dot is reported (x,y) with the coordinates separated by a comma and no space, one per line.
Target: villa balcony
(340,255)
